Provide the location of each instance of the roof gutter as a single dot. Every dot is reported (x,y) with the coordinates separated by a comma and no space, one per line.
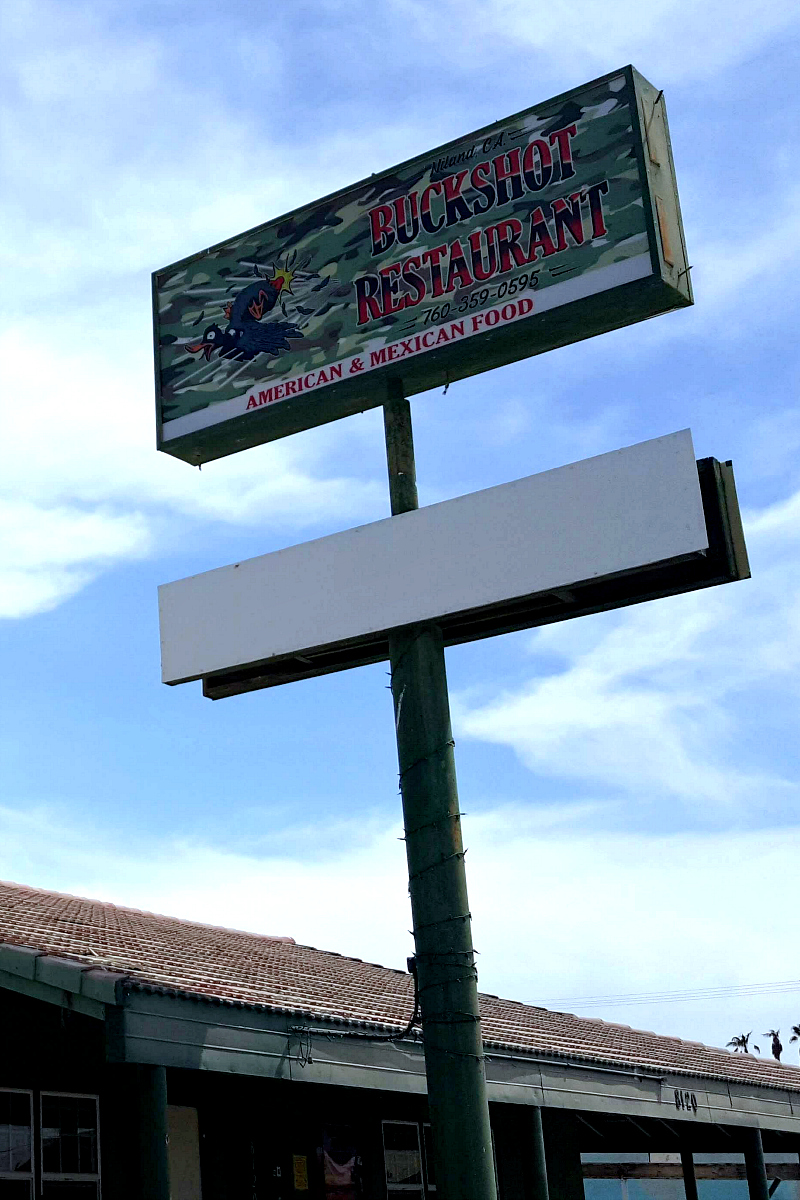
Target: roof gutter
(56,980)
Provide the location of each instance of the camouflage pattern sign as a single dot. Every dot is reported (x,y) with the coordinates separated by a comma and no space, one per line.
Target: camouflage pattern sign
(551,226)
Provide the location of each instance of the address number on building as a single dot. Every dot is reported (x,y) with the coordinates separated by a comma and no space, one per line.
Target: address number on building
(685,1101)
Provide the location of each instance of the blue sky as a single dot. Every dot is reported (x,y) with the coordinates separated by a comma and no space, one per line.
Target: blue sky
(630,779)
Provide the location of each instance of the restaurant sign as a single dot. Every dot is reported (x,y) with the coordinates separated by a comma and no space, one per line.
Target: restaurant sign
(554,225)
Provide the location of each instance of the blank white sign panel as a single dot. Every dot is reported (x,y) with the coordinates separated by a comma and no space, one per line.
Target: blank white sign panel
(600,517)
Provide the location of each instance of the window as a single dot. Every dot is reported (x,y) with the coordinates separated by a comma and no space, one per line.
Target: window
(409,1171)
(402,1157)
(70,1147)
(16,1145)
(341,1163)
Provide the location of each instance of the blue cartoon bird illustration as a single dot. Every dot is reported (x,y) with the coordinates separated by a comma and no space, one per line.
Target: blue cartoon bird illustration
(247,333)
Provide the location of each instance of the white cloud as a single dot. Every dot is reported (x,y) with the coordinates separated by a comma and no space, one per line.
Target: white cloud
(568,912)
(120,161)
(48,553)
(111,179)
(675,40)
(721,277)
(81,482)
(778,525)
(148,163)
(345,891)
(559,909)
(652,702)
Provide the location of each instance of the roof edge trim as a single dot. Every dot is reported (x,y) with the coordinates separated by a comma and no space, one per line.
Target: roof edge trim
(62,976)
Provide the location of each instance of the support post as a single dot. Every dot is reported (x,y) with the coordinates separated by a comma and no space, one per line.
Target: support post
(448,992)
(689,1176)
(754,1164)
(562,1146)
(151,1113)
(539,1188)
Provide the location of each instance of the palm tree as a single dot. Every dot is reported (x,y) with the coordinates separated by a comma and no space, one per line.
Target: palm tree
(777,1048)
(741,1043)
(795,1034)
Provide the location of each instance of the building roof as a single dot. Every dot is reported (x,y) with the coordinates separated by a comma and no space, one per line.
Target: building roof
(227,966)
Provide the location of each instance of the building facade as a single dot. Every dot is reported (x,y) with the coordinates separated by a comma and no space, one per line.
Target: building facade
(146,1057)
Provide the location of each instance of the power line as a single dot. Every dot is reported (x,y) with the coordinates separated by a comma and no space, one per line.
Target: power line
(781,987)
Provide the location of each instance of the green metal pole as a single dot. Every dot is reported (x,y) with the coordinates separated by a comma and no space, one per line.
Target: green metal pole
(689,1175)
(754,1164)
(563,1149)
(538,1161)
(446,971)
(152,1114)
